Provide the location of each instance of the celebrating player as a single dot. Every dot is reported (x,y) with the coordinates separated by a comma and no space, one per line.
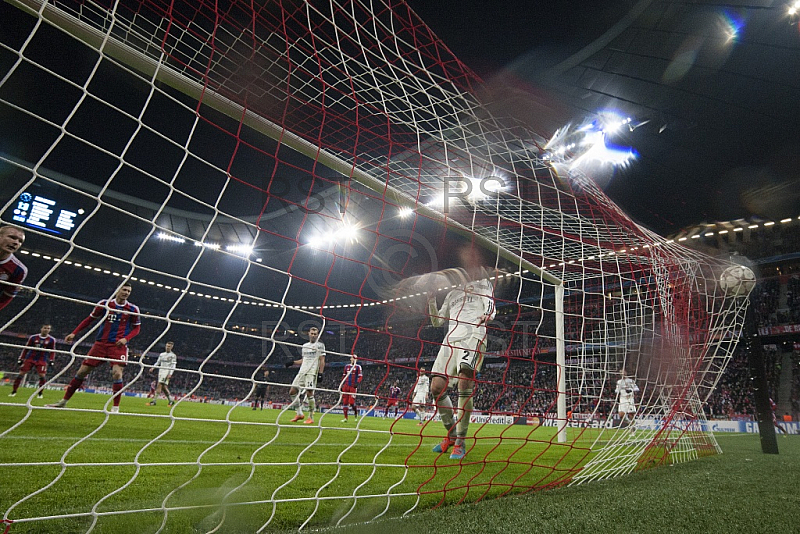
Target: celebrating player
(626,387)
(467,310)
(262,390)
(166,363)
(421,390)
(12,271)
(38,352)
(350,380)
(312,364)
(394,398)
(121,323)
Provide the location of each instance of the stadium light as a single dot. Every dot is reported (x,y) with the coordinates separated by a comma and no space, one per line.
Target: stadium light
(580,145)
(169,237)
(244,250)
(482,187)
(347,232)
(405,212)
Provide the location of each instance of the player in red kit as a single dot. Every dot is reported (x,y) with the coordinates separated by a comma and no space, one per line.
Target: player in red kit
(121,323)
(38,352)
(12,271)
(772,407)
(394,398)
(350,380)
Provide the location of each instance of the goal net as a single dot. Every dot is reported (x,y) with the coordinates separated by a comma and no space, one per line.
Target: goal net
(256,171)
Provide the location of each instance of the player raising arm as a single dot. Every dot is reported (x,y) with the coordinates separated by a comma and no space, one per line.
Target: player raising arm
(12,271)
(466,310)
(166,363)
(121,323)
(39,351)
(312,364)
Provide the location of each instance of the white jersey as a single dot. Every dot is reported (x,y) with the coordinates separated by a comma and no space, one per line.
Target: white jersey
(626,387)
(422,388)
(312,352)
(464,309)
(167,360)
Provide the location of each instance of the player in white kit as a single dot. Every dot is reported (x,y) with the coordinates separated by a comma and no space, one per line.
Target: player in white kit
(466,310)
(312,364)
(421,391)
(626,387)
(166,363)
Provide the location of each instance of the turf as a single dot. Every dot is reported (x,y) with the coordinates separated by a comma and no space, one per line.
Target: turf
(213,465)
(741,491)
(205,462)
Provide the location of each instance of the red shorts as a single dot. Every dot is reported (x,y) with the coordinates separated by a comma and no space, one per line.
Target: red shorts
(391,402)
(347,397)
(118,355)
(41,367)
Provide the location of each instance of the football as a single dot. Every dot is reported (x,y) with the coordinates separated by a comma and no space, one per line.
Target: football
(737,280)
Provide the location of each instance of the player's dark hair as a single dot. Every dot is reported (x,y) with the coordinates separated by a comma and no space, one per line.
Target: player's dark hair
(126,283)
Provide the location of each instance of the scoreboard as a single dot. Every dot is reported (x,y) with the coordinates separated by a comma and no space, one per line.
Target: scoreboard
(41,211)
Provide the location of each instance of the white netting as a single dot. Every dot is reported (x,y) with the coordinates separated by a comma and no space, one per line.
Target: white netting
(217,156)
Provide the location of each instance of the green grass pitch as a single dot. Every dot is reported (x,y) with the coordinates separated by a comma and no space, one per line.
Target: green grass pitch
(741,490)
(204,460)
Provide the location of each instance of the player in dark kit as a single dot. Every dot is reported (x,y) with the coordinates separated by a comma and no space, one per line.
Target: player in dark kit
(394,398)
(262,390)
(12,271)
(38,353)
(350,381)
(121,323)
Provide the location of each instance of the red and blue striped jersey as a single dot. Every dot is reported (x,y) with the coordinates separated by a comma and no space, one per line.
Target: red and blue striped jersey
(121,320)
(352,375)
(12,271)
(394,392)
(39,349)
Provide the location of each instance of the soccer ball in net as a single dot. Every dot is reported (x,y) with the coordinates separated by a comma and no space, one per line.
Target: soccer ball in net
(737,280)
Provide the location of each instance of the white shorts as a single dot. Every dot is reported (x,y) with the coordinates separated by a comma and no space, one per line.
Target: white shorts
(305,382)
(457,353)
(420,399)
(627,407)
(164,375)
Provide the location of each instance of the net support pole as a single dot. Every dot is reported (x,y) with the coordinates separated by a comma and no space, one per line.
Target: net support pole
(561,362)
(758,374)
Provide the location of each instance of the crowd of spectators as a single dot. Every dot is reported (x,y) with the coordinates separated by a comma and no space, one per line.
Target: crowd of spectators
(219,357)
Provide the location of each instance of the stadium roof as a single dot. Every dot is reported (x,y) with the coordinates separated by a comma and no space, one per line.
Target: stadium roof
(713,86)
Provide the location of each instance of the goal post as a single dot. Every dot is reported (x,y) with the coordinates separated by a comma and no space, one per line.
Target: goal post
(259,171)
